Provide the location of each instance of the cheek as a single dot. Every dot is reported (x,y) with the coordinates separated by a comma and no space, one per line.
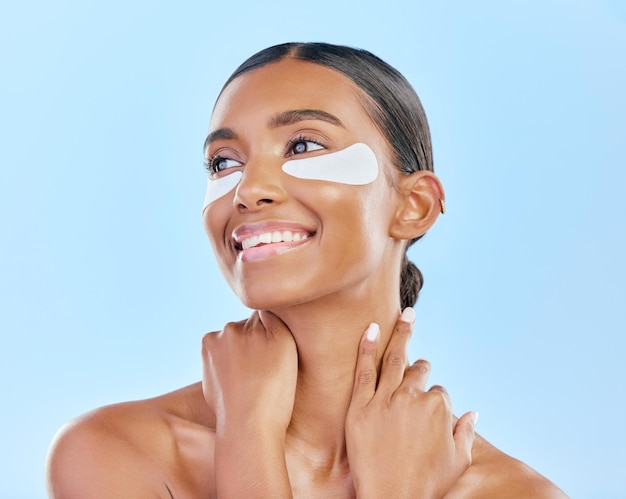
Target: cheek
(354,165)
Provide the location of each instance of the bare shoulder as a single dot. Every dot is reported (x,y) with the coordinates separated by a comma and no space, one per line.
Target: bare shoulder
(494,474)
(148,448)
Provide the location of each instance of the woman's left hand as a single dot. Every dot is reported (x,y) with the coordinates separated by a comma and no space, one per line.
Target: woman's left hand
(401,440)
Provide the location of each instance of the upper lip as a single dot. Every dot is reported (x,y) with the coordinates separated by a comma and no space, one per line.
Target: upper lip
(247,231)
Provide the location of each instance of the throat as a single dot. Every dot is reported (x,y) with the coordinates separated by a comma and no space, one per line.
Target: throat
(327,335)
(314,472)
(317,428)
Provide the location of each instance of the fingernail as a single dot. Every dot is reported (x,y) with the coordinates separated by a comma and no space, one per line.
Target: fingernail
(475,417)
(408,315)
(372,332)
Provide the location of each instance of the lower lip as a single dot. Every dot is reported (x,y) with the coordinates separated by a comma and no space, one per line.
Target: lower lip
(268,250)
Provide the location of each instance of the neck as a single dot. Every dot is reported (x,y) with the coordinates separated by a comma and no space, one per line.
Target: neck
(327,335)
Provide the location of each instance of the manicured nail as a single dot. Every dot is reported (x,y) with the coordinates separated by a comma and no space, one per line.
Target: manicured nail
(475,417)
(372,332)
(408,315)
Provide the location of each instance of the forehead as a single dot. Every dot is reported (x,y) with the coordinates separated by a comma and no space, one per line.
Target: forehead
(290,84)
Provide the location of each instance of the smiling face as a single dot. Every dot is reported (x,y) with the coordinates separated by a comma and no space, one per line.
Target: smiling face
(285,227)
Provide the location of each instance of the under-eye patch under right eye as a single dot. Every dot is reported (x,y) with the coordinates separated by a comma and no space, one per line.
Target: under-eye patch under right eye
(218,187)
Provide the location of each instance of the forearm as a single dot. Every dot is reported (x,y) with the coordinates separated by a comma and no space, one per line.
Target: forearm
(397,488)
(250,462)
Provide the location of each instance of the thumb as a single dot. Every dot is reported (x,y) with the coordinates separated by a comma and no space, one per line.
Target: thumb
(464,436)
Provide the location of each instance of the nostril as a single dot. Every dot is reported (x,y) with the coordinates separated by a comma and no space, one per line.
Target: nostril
(260,202)
(258,189)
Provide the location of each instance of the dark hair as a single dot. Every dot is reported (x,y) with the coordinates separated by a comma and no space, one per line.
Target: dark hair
(392,104)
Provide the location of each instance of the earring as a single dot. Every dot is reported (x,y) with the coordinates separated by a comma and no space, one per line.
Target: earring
(443,206)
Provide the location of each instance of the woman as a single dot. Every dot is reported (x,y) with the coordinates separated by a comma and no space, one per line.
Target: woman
(320,177)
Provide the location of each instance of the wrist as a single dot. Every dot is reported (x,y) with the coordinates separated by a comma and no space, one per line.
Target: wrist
(250,425)
(398,490)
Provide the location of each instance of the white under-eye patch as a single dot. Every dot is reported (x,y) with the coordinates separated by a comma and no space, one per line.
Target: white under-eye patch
(354,165)
(218,187)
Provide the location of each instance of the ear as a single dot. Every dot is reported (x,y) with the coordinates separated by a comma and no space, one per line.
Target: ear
(422,200)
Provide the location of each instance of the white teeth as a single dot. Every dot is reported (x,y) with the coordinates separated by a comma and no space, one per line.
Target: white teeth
(250,242)
(273,237)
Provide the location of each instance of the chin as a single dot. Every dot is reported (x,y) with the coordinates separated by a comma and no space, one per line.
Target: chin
(275,287)
(270,301)
(271,296)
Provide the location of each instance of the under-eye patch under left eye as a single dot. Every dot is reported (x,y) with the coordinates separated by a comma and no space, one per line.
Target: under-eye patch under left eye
(354,165)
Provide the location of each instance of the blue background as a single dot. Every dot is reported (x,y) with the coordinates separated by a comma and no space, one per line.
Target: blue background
(107,281)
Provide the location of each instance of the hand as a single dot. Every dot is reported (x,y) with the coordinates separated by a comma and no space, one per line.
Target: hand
(401,440)
(250,372)
(249,380)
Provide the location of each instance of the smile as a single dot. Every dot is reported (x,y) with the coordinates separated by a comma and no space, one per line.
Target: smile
(286,236)
(260,241)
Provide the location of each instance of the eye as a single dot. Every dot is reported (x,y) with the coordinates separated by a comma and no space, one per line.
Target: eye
(218,164)
(302,145)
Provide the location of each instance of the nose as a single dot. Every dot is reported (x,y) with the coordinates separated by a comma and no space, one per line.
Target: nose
(260,185)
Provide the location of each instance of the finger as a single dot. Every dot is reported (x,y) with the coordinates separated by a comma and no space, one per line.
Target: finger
(438,388)
(208,389)
(210,339)
(441,399)
(395,358)
(464,435)
(365,373)
(229,329)
(445,396)
(272,324)
(417,374)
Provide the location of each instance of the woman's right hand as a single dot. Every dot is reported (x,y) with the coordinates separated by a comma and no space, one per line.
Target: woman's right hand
(249,381)
(250,371)
(402,440)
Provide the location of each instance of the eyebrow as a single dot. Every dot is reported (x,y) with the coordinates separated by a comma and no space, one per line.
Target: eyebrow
(284,118)
(294,116)
(220,134)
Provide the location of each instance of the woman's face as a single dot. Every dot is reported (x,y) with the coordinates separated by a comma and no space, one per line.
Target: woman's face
(282,235)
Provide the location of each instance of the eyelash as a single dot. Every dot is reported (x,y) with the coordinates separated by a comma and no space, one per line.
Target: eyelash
(207,164)
(211,162)
(301,138)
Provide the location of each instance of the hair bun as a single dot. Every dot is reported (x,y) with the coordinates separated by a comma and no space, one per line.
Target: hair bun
(411,282)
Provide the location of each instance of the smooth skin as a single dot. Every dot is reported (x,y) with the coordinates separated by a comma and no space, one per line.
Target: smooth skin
(398,417)
(305,398)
